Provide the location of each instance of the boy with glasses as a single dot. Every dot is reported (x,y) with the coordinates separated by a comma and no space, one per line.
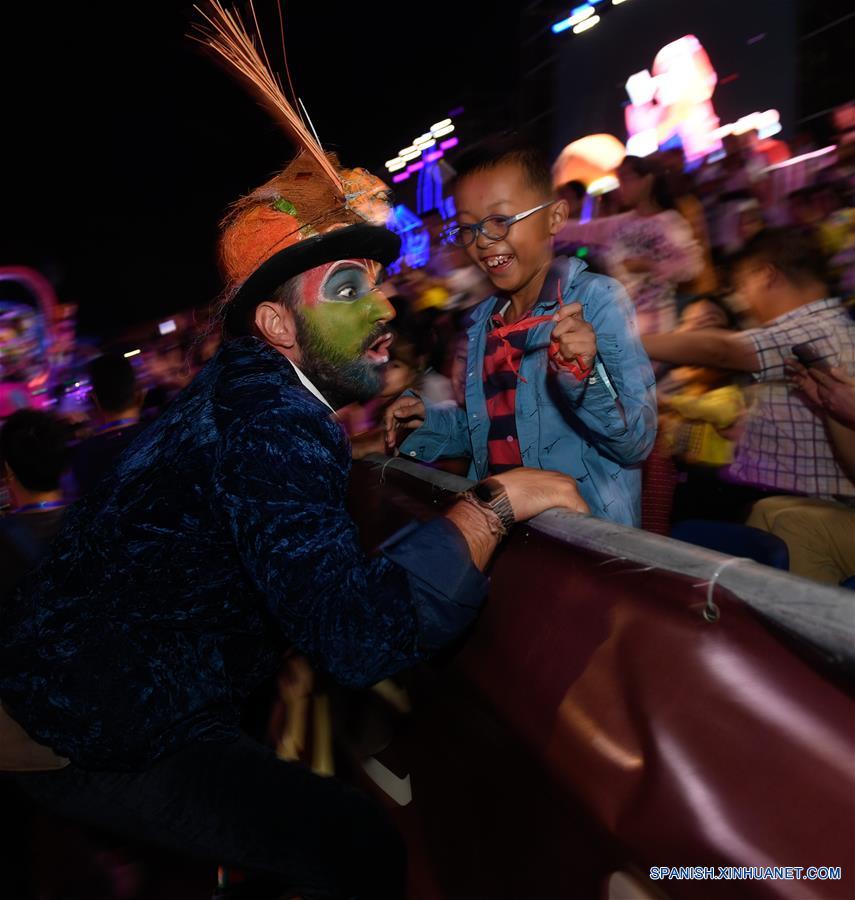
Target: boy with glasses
(556,376)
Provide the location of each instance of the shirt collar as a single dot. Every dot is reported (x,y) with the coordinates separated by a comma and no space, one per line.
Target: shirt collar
(556,280)
(816,306)
(307,384)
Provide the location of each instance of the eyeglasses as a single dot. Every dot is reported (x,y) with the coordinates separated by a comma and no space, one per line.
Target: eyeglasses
(493,228)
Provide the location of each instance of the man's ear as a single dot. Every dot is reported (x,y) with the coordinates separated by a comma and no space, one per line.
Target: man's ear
(771,275)
(558,215)
(275,323)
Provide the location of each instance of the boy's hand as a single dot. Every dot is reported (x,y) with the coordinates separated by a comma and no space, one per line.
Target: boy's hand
(575,337)
(405,412)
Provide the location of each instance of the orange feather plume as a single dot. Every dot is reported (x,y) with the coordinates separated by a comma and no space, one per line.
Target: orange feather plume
(224,33)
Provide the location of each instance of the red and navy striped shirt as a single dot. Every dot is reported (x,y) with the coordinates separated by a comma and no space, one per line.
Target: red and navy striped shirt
(502,358)
(503,354)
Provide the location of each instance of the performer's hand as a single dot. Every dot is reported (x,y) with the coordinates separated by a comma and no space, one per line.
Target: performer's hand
(532,491)
(575,337)
(406,413)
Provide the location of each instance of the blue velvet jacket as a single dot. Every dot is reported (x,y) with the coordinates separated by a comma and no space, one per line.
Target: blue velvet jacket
(218,538)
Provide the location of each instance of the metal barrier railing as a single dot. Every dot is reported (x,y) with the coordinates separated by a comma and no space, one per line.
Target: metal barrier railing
(820,614)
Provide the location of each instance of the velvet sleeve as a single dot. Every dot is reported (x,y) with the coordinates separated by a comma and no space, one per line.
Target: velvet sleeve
(282,487)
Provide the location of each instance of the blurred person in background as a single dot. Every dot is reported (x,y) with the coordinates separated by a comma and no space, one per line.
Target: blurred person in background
(406,370)
(652,249)
(34,451)
(681,188)
(784,446)
(750,221)
(118,402)
(819,534)
(699,405)
(573,193)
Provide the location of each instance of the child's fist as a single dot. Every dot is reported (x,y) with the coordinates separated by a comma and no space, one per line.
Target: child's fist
(575,338)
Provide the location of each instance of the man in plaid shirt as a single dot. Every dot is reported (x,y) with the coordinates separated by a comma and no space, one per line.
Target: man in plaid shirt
(785,447)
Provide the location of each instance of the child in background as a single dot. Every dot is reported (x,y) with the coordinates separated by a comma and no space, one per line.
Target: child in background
(556,377)
(407,369)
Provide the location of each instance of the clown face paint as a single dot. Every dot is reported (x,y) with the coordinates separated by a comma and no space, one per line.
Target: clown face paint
(342,329)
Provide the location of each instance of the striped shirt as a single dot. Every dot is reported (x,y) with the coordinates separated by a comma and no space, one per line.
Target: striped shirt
(502,358)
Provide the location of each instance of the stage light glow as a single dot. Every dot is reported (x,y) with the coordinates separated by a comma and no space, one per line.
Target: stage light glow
(392,162)
(167,327)
(406,150)
(617,2)
(447,145)
(416,166)
(641,87)
(673,102)
(803,158)
(769,131)
(408,157)
(581,12)
(603,185)
(415,241)
(441,132)
(577,15)
(131,353)
(588,159)
(437,126)
(400,164)
(586,25)
(642,143)
(434,156)
(401,176)
(424,139)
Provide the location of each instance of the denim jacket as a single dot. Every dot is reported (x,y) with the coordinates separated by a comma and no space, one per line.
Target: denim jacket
(598,430)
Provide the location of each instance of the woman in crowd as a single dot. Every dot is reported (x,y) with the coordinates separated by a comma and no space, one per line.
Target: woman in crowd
(652,249)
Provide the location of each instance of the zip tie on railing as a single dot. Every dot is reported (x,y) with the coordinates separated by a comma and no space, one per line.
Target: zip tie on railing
(612,559)
(383,469)
(711,611)
(625,559)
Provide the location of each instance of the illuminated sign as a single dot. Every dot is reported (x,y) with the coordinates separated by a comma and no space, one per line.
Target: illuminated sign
(415,240)
(673,105)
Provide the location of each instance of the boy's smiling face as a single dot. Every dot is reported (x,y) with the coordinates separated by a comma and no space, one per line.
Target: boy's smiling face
(515,261)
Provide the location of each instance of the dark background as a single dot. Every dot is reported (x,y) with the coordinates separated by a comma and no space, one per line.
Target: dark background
(122,144)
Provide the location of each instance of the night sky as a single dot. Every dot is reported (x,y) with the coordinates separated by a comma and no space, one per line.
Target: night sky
(123,143)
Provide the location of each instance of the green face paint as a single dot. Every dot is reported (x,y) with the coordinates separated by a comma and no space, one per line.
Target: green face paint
(341,315)
(342,310)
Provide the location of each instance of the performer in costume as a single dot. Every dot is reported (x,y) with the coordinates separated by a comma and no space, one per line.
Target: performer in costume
(220,538)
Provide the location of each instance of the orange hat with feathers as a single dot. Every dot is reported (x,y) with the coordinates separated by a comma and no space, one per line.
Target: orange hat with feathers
(312,212)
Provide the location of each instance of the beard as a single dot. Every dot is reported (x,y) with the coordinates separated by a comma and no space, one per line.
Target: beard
(339,379)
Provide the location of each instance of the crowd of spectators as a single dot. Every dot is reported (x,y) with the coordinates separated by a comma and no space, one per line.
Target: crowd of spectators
(741,272)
